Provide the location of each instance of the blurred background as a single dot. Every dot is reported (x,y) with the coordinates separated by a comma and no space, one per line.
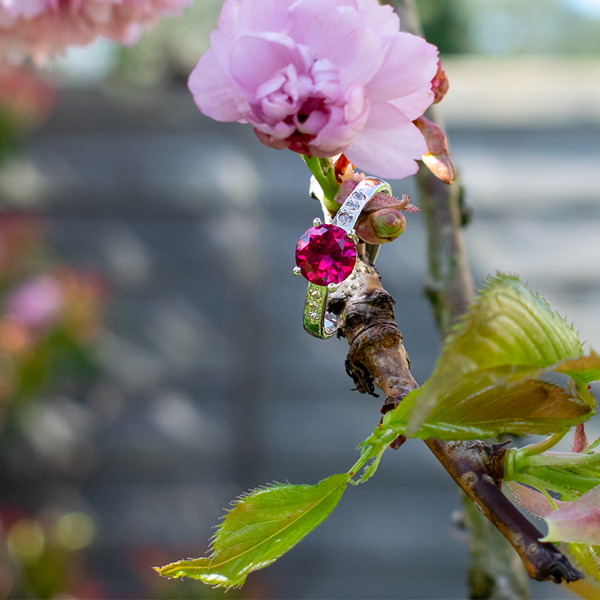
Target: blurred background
(153,364)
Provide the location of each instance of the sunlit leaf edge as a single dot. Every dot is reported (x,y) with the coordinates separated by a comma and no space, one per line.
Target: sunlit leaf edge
(396,421)
(442,376)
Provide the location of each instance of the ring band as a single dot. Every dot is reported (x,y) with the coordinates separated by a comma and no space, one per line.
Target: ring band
(317,321)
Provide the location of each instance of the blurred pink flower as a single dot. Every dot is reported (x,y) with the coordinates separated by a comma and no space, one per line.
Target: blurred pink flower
(321,77)
(36,303)
(26,99)
(577,521)
(43,28)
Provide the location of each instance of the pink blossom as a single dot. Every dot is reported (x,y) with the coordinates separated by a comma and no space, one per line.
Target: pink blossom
(321,77)
(37,303)
(577,521)
(44,28)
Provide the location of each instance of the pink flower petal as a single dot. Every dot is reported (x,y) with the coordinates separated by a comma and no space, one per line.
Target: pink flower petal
(388,145)
(212,91)
(256,58)
(336,33)
(578,522)
(415,105)
(409,66)
(264,15)
(381,19)
(229,18)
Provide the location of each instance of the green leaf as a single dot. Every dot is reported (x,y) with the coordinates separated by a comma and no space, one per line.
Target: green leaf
(261,527)
(568,473)
(508,334)
(586,556)
(371,457)
(592,446)
(492,375)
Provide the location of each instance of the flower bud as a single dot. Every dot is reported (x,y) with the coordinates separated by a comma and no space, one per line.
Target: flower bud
(437,160)
(343,168)
(439,84)
(382,226)
(381,220)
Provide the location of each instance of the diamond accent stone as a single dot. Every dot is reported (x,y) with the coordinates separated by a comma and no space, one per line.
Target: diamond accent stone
(330,323)
(352,204)
(360,196)
(316,294)
(344,219)
(313,315)
(325,255)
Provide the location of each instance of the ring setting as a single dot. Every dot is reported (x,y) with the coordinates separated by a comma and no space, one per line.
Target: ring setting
(326,255)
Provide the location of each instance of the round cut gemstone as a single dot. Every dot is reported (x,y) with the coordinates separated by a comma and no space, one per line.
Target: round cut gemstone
(325,254)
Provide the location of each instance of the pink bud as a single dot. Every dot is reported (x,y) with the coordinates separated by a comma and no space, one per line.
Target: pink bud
(580,441)
(437,159)
(382,226)
(577,521)
(439,84)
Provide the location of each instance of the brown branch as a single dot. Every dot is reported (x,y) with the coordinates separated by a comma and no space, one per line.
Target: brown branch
(377,358)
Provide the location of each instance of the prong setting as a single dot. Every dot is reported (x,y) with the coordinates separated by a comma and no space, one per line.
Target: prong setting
(317,222)
(332,287)
(297,271)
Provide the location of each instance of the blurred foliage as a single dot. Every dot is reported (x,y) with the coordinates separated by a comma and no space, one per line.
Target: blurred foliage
(445,24)
(499,27)
(50,320)
(509,27)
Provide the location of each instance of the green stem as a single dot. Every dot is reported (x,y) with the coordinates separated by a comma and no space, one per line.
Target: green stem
(550,499)
(543,446)
(324,173)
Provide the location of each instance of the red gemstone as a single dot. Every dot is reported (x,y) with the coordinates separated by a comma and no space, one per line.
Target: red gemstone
(325,254)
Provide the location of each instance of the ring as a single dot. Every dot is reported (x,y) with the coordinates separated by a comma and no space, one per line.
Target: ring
(326,255)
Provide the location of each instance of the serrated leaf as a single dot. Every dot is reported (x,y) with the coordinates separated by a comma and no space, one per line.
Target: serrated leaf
(373,458)
(261,527)
(531,406)
(592,446)
(508,334)
(492,375)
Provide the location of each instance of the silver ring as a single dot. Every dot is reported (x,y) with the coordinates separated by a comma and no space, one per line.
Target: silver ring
(317,321)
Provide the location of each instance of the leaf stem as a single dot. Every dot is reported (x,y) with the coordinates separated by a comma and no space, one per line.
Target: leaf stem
(539,447)
(550,499)
(323,171)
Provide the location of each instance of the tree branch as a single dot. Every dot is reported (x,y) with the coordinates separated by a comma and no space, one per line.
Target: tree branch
(377,357)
